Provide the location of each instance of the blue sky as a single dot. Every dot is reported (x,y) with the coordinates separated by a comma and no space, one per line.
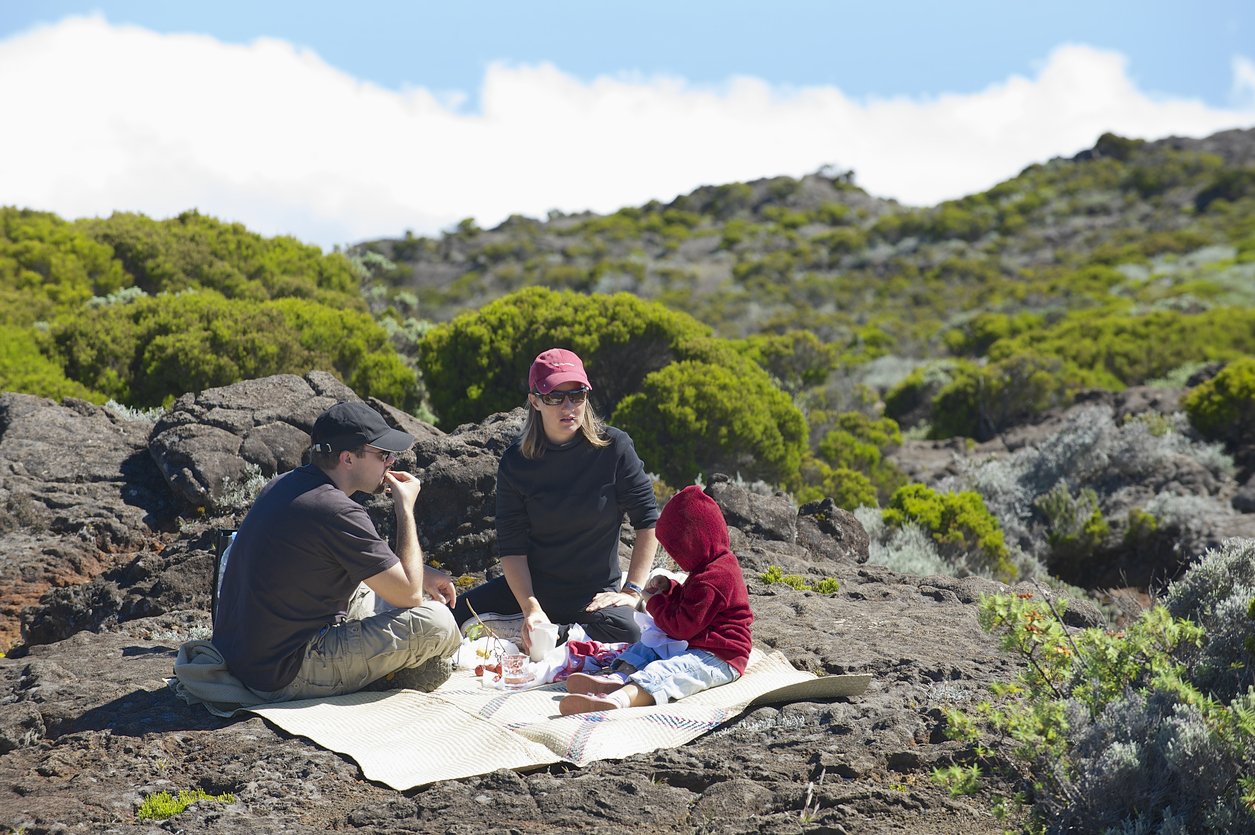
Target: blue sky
(337,122)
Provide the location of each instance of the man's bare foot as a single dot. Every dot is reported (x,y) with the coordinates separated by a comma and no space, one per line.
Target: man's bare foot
(584,703)
(585,683)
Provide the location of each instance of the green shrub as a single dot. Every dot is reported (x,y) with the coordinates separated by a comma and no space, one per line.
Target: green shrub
(154,349)
(958,780)
(1230,185)
(730,199)
(775,576)
(842,240)
(193,251)
(858,442)
(1117,147)
(959,523)
(24,367)
(772,272)
(1075,528)
(909,402)
(1140,528)
(1223,408)
(828,585)
(787,218)
(950,220)
(734,232)
(848,489)
(832,214)
(980,402)
(1116,350)
(48,265)
(898,225)
(477,364)
(797,360)
(692,403)
(693,418)
(974,338)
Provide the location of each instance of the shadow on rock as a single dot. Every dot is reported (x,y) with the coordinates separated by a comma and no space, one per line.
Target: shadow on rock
(145,712)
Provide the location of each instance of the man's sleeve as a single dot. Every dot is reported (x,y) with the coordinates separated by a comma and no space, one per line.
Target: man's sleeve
(357,544)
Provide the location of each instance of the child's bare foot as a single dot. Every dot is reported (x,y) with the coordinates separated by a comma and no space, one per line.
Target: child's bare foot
(585,683)
(584,703)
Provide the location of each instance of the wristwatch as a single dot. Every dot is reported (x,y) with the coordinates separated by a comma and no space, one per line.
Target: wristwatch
(630,586)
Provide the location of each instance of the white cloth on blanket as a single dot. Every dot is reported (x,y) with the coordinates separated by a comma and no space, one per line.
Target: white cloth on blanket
(657,640)
(475,652)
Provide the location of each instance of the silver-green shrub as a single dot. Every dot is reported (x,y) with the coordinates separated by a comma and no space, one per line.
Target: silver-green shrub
(1216,594)
(1171,758)
(239,495)
(907,549)
(1091,451)
(1150,729)
(129,413)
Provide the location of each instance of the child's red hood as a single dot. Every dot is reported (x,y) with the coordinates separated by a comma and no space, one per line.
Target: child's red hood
(692,529)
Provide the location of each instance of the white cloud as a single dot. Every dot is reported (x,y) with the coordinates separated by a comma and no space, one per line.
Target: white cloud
(103,117)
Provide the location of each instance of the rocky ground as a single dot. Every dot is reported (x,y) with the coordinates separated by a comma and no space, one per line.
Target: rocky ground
(107,532)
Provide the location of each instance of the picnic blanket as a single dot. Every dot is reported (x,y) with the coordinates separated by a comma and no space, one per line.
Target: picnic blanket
(404,738)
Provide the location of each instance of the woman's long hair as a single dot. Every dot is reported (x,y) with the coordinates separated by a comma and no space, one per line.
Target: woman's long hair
(533,444)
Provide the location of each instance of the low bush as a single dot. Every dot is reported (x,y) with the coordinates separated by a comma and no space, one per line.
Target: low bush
(982,401)
(1091,450)
(797,360)
(848,488)
(154,348)
(163,805)
(25,367)
(693,418)
(1075,528)
(906,549)
(1149,729)
(1223,408)
(775,576)
(959,523)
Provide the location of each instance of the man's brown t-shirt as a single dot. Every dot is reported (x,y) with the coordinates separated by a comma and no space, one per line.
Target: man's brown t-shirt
(300,553)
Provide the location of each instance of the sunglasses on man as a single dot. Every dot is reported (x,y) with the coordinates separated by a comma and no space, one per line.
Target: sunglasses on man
(386,456)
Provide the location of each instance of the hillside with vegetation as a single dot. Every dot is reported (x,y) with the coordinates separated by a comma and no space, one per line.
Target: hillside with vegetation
(1133,263)
(799,333)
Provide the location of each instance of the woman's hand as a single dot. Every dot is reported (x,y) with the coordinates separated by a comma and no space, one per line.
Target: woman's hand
(529,621)
(606,599)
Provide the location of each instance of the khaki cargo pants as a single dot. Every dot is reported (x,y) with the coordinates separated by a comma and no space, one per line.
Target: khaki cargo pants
(373,642)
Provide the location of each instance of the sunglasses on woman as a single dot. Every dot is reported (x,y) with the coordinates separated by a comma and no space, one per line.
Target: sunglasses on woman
(555,398)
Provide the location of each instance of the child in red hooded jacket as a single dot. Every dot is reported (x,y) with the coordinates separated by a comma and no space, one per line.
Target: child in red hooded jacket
(710,611)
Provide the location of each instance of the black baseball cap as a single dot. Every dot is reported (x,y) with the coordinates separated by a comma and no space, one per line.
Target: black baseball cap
(352,424)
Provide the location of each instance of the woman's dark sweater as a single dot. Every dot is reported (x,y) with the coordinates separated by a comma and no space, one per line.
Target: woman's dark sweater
(564,511)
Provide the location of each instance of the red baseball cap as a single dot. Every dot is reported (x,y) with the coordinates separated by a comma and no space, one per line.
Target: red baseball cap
(555,367)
